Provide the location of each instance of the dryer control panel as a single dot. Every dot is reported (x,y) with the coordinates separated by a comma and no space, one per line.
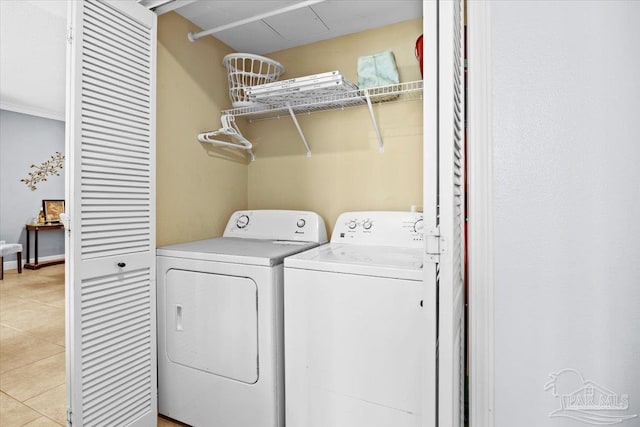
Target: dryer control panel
(286,225)
(379,228)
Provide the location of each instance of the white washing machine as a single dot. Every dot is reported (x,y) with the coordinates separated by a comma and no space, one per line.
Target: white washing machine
(353,325)
(220,320)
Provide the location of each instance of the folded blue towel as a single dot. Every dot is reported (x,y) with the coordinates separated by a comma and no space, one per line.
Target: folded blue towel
(377,70)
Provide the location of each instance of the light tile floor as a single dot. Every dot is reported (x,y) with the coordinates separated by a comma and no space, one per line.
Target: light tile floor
(32,358)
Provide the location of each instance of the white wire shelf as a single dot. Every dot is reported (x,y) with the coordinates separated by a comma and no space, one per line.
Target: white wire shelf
(315,102)
(334,101)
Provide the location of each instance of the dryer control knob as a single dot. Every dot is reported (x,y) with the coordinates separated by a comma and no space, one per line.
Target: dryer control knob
(352,224)
(301,223)
(418,226)
(367,224)
(242,221)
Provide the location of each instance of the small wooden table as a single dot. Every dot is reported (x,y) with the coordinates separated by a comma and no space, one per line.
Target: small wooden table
(36,228)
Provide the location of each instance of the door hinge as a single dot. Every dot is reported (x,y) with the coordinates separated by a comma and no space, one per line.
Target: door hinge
(69,416)
(435,245)
(65,219)
(69,35)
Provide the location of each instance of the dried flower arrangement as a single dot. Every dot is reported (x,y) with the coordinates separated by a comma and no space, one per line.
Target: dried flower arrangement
(50,167)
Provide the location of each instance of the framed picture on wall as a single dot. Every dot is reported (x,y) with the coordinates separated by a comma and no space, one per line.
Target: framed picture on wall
(52,210)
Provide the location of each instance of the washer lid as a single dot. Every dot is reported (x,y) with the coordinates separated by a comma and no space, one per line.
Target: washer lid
(380,261)
(237,250)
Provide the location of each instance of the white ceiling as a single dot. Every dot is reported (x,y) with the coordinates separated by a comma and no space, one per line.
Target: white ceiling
(32,59)
(320,21)
(32,36)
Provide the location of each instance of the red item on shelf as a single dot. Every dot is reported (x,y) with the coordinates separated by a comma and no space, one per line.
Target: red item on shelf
(419,52)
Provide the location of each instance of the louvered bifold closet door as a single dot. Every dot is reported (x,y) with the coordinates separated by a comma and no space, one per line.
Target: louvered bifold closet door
(451,213)
(111,156)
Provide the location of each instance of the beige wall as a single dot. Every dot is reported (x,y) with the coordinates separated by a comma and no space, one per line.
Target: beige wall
(198,187)
(346,170)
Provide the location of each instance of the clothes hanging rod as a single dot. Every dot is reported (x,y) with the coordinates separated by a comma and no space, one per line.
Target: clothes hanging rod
(195,36)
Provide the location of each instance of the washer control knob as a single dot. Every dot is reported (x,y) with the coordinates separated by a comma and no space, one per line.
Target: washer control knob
(301,223)
(242,221)
(367,224)
(418,226)
(352,224)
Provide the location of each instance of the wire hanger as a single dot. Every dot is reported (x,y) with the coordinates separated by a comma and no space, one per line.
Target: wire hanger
(230,129)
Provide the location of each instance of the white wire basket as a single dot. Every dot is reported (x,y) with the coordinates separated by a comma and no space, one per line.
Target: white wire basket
(246,69)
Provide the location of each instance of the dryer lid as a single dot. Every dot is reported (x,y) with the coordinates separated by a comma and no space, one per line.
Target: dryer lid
(237,250)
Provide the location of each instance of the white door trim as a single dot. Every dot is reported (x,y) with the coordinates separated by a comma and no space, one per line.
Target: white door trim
(430,213)
(480,200)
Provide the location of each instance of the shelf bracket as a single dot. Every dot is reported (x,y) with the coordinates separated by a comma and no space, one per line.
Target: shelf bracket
(373,119)
(295,121)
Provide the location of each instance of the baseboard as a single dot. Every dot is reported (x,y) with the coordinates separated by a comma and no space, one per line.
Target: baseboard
(13,265)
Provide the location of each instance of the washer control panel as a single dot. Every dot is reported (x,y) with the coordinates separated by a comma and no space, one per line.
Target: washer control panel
(288,225)
(383,228)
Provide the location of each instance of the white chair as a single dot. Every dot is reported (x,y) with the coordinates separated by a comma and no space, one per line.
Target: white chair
(7,249)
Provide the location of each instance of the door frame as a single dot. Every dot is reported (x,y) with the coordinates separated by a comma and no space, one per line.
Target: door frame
(481,216)
(430,190)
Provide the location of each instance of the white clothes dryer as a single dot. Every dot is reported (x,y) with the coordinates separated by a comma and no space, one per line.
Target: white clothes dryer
(353,326)
(220,320)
